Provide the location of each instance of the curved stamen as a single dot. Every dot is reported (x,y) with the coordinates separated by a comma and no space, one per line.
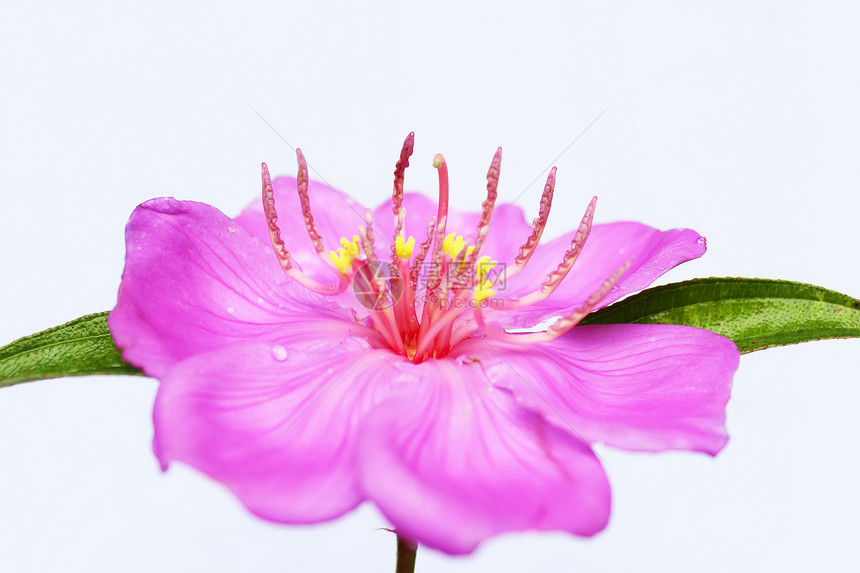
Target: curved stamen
(399,170)
(281,251)
(489,203)
(397,193)
(563,324)
(554,278)
(457,274)
(538,225)
(304,198)
(571,319)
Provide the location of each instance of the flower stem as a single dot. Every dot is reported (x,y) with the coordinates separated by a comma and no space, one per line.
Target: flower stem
(405,556)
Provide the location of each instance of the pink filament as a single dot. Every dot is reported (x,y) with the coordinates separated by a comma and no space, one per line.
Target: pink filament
(539,224)
(447,288)
(281,251)
(563,324)
(489,203)
(304,198)
(397,193)
(554,278)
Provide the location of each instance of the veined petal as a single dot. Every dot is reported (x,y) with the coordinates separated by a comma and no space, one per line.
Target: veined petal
(608,247)
(195,281)
(632,386)
(451,461)
(336,215)
(277,424)
(508,228)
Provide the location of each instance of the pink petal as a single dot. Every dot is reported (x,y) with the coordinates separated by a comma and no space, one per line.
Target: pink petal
(633,386)
(508,229)
(276,424)
(336,214)
(451,462)
(609,246)
(195,281)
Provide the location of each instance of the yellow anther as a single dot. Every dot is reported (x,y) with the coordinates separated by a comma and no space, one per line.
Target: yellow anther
(351,246)
(404,249)
(453,244)
(483,268)
(483,285)
(342,260)
(469,250)
(482,292)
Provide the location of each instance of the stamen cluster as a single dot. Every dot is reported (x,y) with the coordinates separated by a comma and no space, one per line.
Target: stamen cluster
(418,318)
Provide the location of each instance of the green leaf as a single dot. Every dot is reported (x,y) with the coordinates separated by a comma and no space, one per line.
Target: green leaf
(78,348)
(754,313)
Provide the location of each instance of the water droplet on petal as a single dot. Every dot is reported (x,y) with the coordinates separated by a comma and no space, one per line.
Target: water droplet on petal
(230,310)
(702,240)
(232,229)
(279,353)
(259,300)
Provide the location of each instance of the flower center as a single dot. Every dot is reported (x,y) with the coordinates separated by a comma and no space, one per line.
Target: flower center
(415,300)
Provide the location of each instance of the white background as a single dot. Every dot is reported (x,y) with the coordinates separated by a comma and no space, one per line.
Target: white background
(737,119)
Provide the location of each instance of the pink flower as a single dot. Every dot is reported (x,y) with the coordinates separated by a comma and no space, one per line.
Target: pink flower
(306,401)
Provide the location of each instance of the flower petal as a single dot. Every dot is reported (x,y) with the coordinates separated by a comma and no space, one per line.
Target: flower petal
(276,424)
(632,386)
(336,215)
(508,229)
(452,461)
(608,247)
(195,281)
